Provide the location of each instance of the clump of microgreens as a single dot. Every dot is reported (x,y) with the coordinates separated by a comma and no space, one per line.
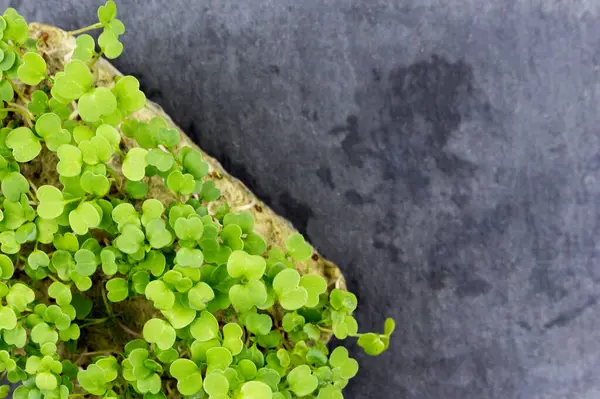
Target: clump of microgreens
(233,319)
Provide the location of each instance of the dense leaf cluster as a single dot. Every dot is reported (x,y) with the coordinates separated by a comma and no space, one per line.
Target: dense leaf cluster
(233,319)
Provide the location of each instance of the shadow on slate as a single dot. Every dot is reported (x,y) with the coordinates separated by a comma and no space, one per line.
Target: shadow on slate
(444,154)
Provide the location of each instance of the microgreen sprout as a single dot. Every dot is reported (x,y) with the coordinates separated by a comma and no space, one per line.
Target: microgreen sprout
(229,315)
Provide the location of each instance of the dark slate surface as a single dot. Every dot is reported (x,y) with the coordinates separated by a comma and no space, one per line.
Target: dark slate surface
(444,153)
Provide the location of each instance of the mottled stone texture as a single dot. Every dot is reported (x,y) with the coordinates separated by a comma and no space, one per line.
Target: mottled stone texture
(444,153)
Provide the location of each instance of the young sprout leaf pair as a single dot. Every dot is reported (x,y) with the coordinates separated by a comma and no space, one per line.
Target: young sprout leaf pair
(97,378)
(49,127)
(159,332)
(33,69)
(295,292)
(73,82)
(375,344)
(24,144)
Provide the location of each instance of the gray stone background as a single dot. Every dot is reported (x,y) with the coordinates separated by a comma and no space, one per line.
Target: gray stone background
(444,153)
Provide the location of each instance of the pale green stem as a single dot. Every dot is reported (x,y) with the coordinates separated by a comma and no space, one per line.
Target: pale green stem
(32,185)
(91,323)
(86,29)
(72,200)
(19,92)
(95,58)
(117,178)
(21,112)
(105,299)
(33,193)
(102,352)
(129,330)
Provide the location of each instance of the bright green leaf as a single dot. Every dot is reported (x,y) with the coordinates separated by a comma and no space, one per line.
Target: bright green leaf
(301,380)
(51,203)
(118,289)
(60,292)
(205,328)
(134,164)
(188,375)
(159,332)
(24,144)
(13,185)
(70,160)
(97,103)
(255,390)
(84,49)
(297,248)
(33,69)
(158,292)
